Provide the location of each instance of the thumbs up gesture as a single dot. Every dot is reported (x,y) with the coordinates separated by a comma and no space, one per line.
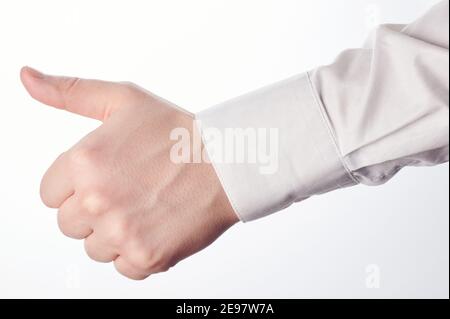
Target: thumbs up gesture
(118,188)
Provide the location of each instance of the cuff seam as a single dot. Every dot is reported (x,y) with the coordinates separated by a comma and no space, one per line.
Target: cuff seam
(330,130)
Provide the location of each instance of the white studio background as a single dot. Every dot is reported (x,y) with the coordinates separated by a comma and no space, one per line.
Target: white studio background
(389,241)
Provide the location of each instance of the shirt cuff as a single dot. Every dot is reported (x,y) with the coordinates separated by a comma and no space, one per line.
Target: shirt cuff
(273,147)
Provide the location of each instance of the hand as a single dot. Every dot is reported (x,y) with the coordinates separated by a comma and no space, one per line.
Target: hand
(118,189)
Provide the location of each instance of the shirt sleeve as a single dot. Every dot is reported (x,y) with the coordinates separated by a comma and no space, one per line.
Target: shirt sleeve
(361,119)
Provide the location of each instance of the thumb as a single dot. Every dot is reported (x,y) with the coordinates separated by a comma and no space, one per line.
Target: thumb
(91,98)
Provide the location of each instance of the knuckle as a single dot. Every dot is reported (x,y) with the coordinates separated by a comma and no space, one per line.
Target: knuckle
(95,202)
(119,229)
(85,156)
(131,91)
(141,258)
(135,274)
(130,86)
(68,84)
(130,271)
(164,265)
(149,262)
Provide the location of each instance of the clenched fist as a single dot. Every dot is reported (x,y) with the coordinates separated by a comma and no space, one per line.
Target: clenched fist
(118,188)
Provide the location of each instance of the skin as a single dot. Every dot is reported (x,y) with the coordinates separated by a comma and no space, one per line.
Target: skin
(118,189)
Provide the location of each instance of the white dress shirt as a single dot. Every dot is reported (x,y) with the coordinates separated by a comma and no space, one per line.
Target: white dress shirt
(361,119)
